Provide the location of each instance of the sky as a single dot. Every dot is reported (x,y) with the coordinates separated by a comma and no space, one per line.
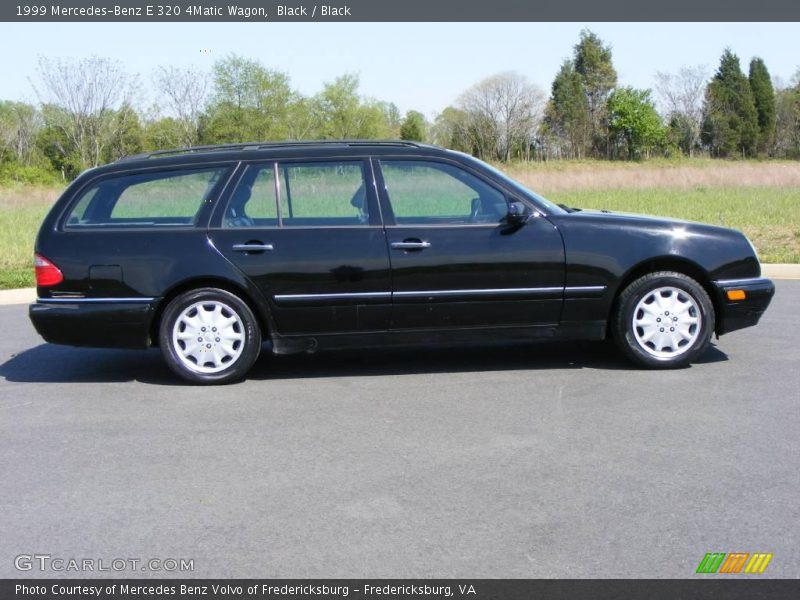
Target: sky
(420,66)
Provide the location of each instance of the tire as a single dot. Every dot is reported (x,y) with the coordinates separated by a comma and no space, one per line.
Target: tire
(663,320)
(209,336)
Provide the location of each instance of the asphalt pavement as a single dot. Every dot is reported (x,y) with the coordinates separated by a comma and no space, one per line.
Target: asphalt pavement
(552,460)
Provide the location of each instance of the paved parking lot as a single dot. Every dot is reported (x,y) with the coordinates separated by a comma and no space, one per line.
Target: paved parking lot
(538,461)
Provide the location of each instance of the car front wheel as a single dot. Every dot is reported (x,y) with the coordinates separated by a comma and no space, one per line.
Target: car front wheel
(663,320)
(209,336)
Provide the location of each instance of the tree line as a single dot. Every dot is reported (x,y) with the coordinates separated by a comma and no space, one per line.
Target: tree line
(90,112)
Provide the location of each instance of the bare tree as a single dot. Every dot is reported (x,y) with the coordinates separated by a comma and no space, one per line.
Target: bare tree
(680,96)
(19,124)
(504,111)
(86,93)
(185,92)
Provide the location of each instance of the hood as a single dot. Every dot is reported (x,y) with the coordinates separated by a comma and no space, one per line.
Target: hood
(648,221)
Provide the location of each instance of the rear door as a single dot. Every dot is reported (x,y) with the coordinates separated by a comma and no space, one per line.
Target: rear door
(309,235)
(456,262)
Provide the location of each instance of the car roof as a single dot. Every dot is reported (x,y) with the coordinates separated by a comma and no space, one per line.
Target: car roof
(274,150)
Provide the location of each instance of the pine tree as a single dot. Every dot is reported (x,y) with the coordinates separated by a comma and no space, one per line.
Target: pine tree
(568,111)
(593,63)
(413,127)
(764,98)
(730,123)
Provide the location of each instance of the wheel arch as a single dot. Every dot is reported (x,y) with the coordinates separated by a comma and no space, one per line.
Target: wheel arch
(260,310)
(667,263)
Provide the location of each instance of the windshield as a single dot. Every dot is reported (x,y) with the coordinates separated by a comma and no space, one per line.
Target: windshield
(550,207)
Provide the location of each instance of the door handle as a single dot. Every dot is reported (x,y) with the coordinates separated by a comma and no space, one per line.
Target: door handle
(411,245)
(252,247)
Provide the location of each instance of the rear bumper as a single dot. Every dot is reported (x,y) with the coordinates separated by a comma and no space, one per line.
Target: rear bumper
(102,323)
(739,314)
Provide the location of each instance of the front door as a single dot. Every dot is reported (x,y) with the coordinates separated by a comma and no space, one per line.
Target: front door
(309,235)
(456,262)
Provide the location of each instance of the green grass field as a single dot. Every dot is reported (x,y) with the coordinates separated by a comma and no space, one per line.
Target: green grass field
(760,199)
(21,212)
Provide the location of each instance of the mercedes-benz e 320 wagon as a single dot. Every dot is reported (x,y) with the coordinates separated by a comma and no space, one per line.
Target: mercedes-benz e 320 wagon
(209,252)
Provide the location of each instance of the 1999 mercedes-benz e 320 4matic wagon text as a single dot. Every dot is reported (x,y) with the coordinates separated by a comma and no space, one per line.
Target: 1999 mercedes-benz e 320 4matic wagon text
(207,252)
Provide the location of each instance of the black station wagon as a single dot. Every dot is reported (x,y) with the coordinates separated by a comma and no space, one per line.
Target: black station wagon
(209,252)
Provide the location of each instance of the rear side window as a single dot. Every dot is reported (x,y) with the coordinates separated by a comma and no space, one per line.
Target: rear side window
(252,203)
(323,194)
(166,198)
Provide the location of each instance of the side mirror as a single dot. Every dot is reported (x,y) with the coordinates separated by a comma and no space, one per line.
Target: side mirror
(517,213)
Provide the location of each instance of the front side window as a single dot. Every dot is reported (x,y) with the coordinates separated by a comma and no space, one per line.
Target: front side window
(167,198)
(323,194)
(434,193)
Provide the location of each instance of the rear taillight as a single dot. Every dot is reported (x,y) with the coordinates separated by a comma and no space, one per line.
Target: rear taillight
(47,273)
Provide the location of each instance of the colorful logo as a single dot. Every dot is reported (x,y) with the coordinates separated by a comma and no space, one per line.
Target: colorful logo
(734,562)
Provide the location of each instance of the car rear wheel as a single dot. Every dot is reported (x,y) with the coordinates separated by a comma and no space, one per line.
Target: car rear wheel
(209,336)
(663,320)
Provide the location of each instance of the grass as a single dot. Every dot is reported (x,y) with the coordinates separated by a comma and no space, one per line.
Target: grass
(22,208)
(762,199)
(563,176)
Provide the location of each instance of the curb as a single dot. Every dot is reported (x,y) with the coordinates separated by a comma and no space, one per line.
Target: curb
(773,271)
(778,271)
(19,296)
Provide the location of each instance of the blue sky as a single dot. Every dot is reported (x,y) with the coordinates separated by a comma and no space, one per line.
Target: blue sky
(423,66)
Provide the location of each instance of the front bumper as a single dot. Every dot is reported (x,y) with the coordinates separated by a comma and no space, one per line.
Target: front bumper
(738,314)
(107,323)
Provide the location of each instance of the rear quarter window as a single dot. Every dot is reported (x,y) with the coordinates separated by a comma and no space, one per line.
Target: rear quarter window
(166,198)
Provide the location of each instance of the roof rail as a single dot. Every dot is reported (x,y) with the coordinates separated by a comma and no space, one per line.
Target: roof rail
(267,146)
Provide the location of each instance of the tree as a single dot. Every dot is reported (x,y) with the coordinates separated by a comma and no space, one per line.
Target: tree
(413,127)
(85,94)
(787,121)
(730,121)
(250,102)
(339,105)
(343,114)
(19,125)
(373,123)
(392,117)
(184,92)
(632,118)
(567,115)
(166,132)
(127,136)
(302,120)
(764,99)
(681,98)
(594,64)
(504,111)
(451,130)
(56,145)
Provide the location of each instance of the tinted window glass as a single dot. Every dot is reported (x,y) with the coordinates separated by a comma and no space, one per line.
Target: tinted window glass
(323,194)
(438,193)
(513,183)
(253,201)
(160,198)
